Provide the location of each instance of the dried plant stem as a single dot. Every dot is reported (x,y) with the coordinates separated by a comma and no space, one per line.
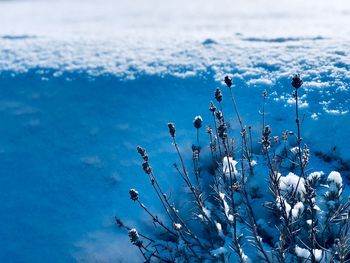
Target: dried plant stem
(189,184)
(217,134)
(155,219)
(297,120)
(242,128)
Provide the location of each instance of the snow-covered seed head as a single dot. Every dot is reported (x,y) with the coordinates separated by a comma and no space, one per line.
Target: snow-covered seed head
(297,81)
(218,95)
(212,107)
(172,129)
(134,195)
(228,81)
(134,237)
(197,122)
(147,168)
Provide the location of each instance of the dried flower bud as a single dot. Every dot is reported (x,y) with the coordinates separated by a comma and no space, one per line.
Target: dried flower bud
(134,195)
(212,107)
(228,81)
(197,122)
(172,129)
(297,81)
(134,237)
(146,167)
(218,95)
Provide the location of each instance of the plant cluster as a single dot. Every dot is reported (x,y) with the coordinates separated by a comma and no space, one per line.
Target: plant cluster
(257,205)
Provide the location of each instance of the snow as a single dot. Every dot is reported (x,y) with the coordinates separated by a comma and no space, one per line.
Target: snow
(83,82)
(229,166)
(335,177)
(304,253)
(291,181)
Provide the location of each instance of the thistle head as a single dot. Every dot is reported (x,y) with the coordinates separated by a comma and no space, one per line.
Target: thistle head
(297,81)
(197,122)
(218,95)
(172,129)
(228,81)
(134,195)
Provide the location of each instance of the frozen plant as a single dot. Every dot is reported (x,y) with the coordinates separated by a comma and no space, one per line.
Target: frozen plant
(263,206)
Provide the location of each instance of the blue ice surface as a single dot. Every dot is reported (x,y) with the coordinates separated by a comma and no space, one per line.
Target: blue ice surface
(68,154)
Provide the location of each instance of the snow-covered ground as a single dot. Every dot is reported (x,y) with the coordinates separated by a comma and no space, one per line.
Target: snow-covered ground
(83,82)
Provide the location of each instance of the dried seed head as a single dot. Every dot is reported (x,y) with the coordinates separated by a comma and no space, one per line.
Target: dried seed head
(219,115)
(209,130)
(306,155)
(265,139)
(141,150)
(212,107)
(222,131)
(228,81)
(297,81)
(147,168)
(197,122)
(218,95)
(134,195)
(134,237)
(172,129)
(276,139)
(143,153)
